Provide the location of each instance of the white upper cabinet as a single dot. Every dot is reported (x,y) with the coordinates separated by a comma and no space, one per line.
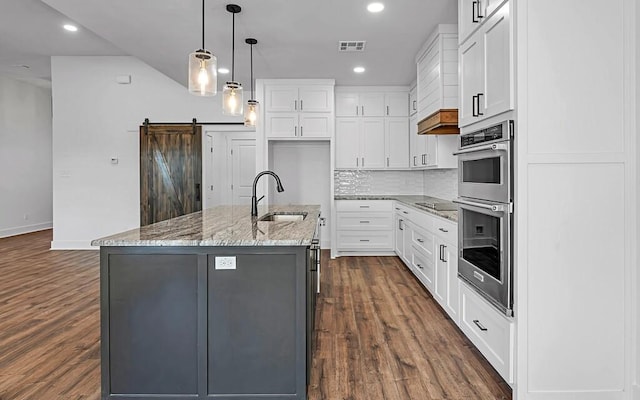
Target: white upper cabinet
(372,149)
(312,98)
(472,13)
(298,111)
(372,104)
(486,65)
(397,142)
(348,143)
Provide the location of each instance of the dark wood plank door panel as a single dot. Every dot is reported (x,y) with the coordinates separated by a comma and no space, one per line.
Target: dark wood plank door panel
(170,172)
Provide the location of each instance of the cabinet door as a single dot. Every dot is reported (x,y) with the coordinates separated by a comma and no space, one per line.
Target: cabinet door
(314,125)
(496,35)
(347,143)
(442,276)
(315,99)
(413,101)
(397,142)
(431,153)
(471,84)
(347,105)
(452,301)
(470,16)
(396,104)
(417,144)
(399,238)
(372,104)
(372,151)
(281,125)
(280,98)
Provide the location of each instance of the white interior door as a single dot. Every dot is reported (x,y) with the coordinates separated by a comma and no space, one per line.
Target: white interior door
(243,169)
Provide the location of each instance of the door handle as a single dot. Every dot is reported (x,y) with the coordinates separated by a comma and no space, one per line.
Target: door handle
(479,325)
(473,12)
(495,146)
(443,230)
(295,131)
(295,105)
(362,162)
(357,111)
(414,160)
(300,127)
(387,161)
(400,224)
(415,103)
(301,105)
(362,110)
(478,97)
(473,106)
(357,161)
(387,110)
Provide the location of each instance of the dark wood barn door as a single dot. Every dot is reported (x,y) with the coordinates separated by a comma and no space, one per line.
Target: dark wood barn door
(170,171)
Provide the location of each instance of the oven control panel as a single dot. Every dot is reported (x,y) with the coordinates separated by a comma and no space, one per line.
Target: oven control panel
(491,134)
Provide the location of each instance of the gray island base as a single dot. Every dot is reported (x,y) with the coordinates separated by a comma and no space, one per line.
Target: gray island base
(180,321)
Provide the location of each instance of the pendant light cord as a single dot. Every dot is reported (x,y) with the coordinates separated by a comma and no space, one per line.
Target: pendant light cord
(233,46)
(202,24)
(252,72)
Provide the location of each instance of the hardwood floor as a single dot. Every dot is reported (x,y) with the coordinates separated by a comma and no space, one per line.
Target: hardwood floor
(380,335)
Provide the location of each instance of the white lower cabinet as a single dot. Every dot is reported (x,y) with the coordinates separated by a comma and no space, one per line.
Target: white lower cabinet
(365,226)
(490,331)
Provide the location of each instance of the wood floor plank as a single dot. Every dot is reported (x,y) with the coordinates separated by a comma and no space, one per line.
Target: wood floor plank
(380,334)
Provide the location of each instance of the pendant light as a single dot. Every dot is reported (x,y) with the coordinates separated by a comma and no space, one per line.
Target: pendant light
(232,92)
(203,77)
(251,108)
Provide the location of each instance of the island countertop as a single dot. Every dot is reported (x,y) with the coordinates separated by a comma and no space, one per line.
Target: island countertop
(223,226)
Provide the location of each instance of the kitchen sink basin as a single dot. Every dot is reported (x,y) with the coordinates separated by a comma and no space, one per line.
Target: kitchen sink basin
(283,217)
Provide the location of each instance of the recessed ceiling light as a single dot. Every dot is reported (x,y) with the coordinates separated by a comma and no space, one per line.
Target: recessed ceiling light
(223,71)
(70,28)
(375,7)
(358,70)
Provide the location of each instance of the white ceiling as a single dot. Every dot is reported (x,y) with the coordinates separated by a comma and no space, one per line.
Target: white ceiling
(296,38)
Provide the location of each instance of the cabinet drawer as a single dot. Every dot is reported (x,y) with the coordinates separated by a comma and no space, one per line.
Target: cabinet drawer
(423,267)
(489,331)
(359,240)
(364,221)
(422,240)
(447,231)
(364,205)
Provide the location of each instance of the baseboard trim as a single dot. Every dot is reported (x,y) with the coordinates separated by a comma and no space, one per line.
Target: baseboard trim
(72,245)
(21,230)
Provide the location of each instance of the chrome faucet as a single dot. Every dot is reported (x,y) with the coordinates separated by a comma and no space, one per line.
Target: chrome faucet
(254,200)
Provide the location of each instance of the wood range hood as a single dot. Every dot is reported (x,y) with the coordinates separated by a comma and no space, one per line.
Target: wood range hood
(441,122)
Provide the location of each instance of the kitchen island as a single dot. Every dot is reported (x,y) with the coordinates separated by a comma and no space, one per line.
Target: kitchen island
(211,304)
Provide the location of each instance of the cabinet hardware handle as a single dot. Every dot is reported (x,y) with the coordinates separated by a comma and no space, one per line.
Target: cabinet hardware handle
(473,106)
(478,97)
(300,130)
(405,212)
(400,224)
(444,247)
(397,208)
(440,253)
(362,110)
(357,161)
(301,108)
(443,230)
(364,206)
(420,240)
(415,104)
(362,162)
(357,111)
(364,240)
(419,266)
(479,5)
(295,105)
(387,161)
(295,130)
(365,222)
(387,110)
(414,160)
(473,12)
(424,159)
(479,325)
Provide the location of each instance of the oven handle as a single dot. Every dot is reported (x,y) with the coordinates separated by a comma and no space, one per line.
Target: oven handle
(492,207)
(494,146)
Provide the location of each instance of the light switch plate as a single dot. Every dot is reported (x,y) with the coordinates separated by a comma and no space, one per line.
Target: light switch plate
(226,262)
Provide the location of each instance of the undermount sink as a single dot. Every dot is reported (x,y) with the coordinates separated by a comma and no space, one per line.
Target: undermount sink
(283,217)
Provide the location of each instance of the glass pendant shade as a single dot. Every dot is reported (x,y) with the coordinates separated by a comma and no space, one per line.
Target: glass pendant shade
(251,113)
(232,99)
(203,74)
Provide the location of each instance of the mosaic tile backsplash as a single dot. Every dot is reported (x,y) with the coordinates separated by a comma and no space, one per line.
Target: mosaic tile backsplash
(437,183)
(441,183)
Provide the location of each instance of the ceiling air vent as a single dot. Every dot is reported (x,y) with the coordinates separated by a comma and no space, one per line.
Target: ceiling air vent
(351,45)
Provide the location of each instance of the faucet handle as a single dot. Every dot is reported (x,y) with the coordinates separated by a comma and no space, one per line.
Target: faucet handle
(260,199)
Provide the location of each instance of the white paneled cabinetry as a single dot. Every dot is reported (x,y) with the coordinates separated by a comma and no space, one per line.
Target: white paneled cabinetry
(486,67)
(298,112)
(365,226)
(372,129)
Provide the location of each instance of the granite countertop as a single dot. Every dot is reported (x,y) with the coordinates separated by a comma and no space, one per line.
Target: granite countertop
(222,226)
(409,200)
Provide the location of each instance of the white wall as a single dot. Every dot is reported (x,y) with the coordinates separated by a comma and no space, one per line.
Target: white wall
(576,208)
(95,119)
(25,157)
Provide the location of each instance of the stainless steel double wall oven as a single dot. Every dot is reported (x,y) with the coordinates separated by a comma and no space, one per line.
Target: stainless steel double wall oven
(485,205)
